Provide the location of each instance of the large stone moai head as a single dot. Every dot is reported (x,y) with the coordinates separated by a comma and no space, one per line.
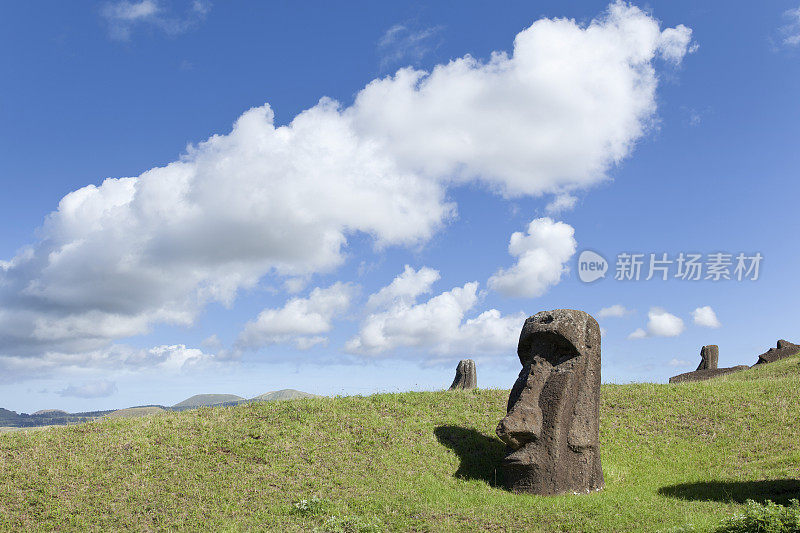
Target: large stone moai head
(709,357)
(552,428)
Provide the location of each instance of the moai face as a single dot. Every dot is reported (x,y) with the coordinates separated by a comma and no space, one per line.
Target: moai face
(552,424)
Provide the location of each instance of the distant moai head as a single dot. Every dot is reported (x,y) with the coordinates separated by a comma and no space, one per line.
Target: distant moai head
(709,357)
(466,375)
(552,426)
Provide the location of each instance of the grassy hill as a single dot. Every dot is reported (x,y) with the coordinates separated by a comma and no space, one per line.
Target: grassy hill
(673,456)
(200,400)
(283,394)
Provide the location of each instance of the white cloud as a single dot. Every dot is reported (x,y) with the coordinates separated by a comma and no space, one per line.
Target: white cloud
(295,285)
(437,326)
(300,317)
(400,43)
(675,43)
(164,358)
(123,16)
(114,259)
(405,287)
(678,362)
(616,310)
(706,317)
(543,255)
(638,333)
(561,203)
(660,324)
(663,324)
(791,31)
(212,342)
(552,117)
(91,389)
(603,332)
(306,343)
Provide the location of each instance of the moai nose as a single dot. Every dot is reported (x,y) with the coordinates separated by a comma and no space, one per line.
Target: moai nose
(522,425)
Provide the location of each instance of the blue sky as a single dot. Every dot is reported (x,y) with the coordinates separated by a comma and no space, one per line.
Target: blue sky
(361,242)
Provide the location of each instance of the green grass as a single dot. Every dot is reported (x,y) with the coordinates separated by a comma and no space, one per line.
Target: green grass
(674,456)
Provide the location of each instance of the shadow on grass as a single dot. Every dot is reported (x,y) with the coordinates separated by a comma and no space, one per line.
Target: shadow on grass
(777,490)
(480,455)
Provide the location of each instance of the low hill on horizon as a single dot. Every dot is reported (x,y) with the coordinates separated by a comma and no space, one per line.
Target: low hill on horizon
(283,394)
(676,457)
(203,400)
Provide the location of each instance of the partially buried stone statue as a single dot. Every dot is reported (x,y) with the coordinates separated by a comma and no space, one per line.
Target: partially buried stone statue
(552,429)
(784,349)
(709,357)
(466,375)
(707,369)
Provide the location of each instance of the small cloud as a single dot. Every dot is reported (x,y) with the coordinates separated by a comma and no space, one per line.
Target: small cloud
(212,343)
(675,43)
(639,333)
(790,33)
(659,324)
(91,389)
(401,44)
(663,324)
(678,362)
(295,285)
(305,343)
(603,332)
(124,16)
(616,310)
(706,317)
(561,203)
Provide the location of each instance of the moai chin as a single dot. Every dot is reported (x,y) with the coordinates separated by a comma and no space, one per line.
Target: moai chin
(552,425)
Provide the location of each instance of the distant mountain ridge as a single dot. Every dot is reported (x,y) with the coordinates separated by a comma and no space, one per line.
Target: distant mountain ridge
(57,417)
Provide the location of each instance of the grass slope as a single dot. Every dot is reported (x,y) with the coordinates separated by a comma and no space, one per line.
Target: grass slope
(673,455)
(134,412)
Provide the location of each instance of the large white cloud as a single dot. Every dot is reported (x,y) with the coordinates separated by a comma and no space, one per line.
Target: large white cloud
(542,259)
(550,117)
(437,326)
(301,319)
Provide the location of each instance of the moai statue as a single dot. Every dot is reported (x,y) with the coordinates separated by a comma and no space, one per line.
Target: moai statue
(709,357)
(466,375)
(552,428)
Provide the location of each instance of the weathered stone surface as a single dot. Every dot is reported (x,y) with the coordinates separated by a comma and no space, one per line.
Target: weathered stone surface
(552,425)
(709,357)
(784,349)
(700,375)
(466,375)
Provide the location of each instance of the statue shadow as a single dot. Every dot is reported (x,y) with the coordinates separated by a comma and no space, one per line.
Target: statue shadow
(778,490)
(480,455)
